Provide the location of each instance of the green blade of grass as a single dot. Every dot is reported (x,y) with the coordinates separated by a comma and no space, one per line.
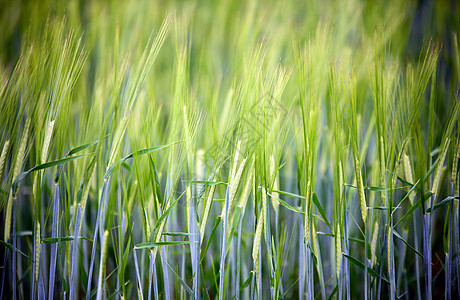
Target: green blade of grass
(112,168)
(151,245)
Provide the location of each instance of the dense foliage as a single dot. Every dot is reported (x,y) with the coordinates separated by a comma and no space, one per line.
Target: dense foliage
(227,149)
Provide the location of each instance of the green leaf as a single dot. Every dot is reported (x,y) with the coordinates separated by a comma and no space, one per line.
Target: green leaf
(361,266)
(56,240)
(247,282)
(406,182)
(166,213)
(112,168)
(72,152)
(356,240)
(407,195)
(334,291)
(411,210)
(405,242)
(321,211)
(52,164)
(285,204)
(378,207)
(62,239)
(9,246)
(126,253)
(289,194)
(177,234)
(42,167)
(441,203)
(207,182)
(82,147)
(290,288)
(158,244)
(182,282)
(375,188)
(213,232)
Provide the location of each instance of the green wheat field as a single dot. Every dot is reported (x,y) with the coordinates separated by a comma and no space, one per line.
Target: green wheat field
(229,149)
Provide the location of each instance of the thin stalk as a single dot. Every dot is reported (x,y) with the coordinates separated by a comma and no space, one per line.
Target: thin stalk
(402,259)
(223,247)
(253,280)
(268,237)
(182,274)
(301,259)
(416,246)
(366,286)
(142,264)
(253,288)
(340,280)
(54,247)
(309,270)
(155,282)
(426,255)
(102,205)
(5,260)
(233,268)
(121,238)
(238,257)
(346,249)
(76,234)
(448,264)
(165,273)
(41,285)
(319,261)
(379,286)
(138,277)
(256,256)
(391,262)
(259,282)
(194,249)
(102,267)
(32,280)
(458,247)
(14,249)
(457,242)
(150,274)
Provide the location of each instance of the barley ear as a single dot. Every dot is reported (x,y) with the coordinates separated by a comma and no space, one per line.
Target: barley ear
(375,235)
(362,197)
(37,251)
(454,163)
(46,142)
(3,159)
(338,249)
(408,175)
(439,168)
(256,247)
(17,170)
(382,170)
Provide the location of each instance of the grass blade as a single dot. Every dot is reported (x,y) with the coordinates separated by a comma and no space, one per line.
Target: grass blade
(74,254)
(96,229)
(43,167)
(13,275)
(138,277)
(223,246)
(54,247)
(182,282)
(102,267)
(112,168)
(164,264)
(151,245)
